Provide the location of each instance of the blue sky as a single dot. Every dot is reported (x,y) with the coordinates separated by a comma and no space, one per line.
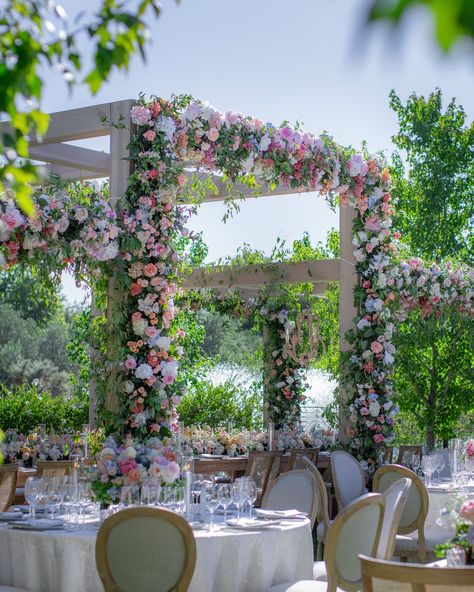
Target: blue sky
(308,60)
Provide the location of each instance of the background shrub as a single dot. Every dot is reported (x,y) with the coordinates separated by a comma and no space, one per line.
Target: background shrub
(24,408)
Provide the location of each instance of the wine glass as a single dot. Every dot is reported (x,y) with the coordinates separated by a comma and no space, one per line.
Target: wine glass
(239,495)
(225,497)
(150,492)
(212,501)
(428,464)
(33,493)
(54,494)
(252,494)
(441,463)
(415,462)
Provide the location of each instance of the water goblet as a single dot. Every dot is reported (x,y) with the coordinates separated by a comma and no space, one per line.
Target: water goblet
(252,494)
(33,494)
(212,501)
(239,495)
(225,497)
(415,462)
(428,464)
(440,464)
(150,493)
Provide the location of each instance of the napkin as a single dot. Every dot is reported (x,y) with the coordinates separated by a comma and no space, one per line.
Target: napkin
(282,514)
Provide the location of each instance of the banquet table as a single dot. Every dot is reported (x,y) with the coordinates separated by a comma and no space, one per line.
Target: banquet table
(228,560)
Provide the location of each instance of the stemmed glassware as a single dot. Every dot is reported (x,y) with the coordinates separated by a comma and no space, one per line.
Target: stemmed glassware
(212,501)
(415,462)
(252,494)
(440,464)
(428,464)
(224,495)
(33,494)
(54,490)
(239,495)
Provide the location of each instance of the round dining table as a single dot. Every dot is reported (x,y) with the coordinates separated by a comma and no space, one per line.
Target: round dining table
(228,560)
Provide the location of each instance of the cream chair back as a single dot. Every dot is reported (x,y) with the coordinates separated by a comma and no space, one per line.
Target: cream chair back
(347,476)
(54,468)
(8,477)
(387,576)
(322,514)
(396,496)
(416,507)
(293,490)
(143,549)
(355,531)
(297,455)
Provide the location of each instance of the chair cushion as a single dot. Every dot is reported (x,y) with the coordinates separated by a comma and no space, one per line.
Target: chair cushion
(319,571)
(302,586)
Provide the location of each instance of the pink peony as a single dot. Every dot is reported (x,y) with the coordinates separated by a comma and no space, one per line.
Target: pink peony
(356,166)
(213,134)
(376,347)
(130,363)
(467,510)
(127,465)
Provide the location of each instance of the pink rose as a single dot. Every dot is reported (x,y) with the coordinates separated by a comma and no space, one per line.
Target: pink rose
(151,332)
(213,134)
(149,135)
(130,363)
(127,465)
(133,475)
(376,347)
(379,438)
(150,270)
(467,510)
(136,316)
(369,247)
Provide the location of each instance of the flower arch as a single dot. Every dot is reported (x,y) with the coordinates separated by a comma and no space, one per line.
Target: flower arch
(171,139)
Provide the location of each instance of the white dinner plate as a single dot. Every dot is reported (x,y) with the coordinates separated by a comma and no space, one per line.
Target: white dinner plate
(10,516)
(26,509)
(281,514)
(40,524)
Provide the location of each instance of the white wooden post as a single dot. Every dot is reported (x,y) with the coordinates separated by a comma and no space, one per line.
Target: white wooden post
(348,280)
(120,135)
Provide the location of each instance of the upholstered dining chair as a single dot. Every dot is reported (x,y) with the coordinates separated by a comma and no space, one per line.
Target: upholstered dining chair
(348,478)
(388,455)
(404,452)
(298,454)
(294,489)
(262,467)
(414,514)
(395,500)
(388,576)
(54,468)
(356,527)
(143,549)
(322,515)
(8,477)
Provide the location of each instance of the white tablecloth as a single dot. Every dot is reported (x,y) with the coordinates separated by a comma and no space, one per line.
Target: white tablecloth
(439,495)
(227,560)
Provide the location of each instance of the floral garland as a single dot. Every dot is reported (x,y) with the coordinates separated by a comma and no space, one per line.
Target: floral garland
(71,226)
(285,385)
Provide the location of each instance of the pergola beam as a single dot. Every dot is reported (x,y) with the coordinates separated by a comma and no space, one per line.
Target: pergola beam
(66,173)
(239,190)
(73,157)
(316,272)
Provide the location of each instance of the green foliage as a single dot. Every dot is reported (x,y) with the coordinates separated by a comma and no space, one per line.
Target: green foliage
(433,182)
(35,296)
(433,179)
(453,19)
(435,371)
(229,404)
(24,408)
(35,34)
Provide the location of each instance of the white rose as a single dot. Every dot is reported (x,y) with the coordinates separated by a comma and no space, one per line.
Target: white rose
(374,408)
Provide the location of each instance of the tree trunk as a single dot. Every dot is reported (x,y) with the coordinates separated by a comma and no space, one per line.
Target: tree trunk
(430,427)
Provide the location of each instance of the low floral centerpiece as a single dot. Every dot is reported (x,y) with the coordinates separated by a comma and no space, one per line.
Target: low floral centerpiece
(130,464)
(461,516)
(37,445)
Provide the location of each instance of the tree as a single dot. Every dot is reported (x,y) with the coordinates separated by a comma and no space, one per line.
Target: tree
(434,182)
(434,189)
(40,304)
(454,19)
(35,33)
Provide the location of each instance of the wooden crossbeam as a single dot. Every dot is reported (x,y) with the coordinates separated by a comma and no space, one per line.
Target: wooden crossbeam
(66,173)
(255,276)
(239,190)
(73,157)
